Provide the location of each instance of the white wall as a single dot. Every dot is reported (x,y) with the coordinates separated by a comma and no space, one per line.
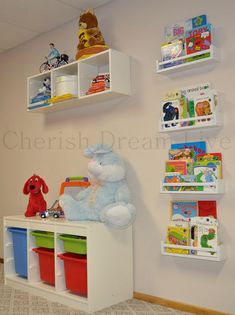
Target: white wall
(134,27)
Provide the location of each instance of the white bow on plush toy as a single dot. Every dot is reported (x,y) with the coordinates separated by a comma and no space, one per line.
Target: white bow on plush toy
(108,198)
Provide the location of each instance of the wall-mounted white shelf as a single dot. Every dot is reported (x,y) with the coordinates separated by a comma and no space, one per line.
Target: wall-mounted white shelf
(219,255)
(212,58)
(200,122)
(110,61)
(109,262)
(216,187)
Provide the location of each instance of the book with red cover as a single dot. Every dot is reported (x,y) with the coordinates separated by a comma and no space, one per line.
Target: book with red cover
(207,208)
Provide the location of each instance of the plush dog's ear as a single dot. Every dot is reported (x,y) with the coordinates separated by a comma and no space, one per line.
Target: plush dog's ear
(44,186)
(26,188)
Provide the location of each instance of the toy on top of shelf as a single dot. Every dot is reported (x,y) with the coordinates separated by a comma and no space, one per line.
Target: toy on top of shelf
(91,40)
(107,199)
(54,211)
(71,186)
(36,202)
(99,84)
(44,93)
(54,59)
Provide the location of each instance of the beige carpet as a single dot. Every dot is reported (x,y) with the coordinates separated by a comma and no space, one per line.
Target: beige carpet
(16,302)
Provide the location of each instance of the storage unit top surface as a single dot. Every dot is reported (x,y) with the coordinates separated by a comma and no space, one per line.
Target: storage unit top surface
(60,221)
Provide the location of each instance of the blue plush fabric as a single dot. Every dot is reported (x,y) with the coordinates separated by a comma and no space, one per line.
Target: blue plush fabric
(108,198)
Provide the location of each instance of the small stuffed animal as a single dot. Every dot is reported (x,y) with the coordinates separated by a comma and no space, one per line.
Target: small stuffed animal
(36,202)
(107,199)
(91,40)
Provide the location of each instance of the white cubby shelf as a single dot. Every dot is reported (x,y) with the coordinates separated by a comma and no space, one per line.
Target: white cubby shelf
(216,187)
(200,122)
(219,255)
(212,58)
(109,262)
(110,61)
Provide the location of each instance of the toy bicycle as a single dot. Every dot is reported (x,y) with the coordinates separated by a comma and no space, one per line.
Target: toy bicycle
(54,63)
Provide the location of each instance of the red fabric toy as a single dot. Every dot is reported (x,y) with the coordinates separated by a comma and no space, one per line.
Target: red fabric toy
(37,202)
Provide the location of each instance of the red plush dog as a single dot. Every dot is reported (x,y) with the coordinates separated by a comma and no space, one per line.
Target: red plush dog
(37,202)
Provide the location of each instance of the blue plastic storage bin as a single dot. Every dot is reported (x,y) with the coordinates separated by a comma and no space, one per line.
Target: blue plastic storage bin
(19,237)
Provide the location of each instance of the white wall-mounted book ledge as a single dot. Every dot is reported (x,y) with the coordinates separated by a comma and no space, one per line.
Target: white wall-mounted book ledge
(199,122)
(216,187)
(209,56)
(218,253)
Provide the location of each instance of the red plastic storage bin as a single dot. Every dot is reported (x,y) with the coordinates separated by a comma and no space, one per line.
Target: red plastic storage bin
(75,269)
(46,264)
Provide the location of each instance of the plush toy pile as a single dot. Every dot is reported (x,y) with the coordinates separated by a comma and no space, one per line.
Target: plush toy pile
(107,199)
(91,40)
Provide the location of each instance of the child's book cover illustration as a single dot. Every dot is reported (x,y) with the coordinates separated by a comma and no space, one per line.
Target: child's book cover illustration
(172,178)
(177,235)
(198,147)
(176,166)
(183,210)
(171,111)
(175,32)
(207,238)
(198,39)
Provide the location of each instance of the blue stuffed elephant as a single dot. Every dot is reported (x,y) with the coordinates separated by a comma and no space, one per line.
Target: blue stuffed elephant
(107,199)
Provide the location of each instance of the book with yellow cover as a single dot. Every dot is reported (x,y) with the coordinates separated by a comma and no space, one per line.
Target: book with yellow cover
(178,235)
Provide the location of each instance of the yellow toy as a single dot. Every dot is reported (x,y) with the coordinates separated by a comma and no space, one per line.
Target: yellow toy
(91,40)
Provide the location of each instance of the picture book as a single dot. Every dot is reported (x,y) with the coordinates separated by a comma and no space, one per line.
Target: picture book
(183,210)
(203,105)
(201,101)
(198,147)
(171,111)
(175,32)
(207,237)
(177,235)
(207,171)
(172,51)
(203,234)
(209,157)
(175,107)
(198,39)
(195,22)
(177,166)
(207,208)
(172,178)
(181,154)
(172,95)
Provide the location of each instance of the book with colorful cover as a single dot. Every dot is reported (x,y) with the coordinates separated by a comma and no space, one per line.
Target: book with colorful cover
(178,235)
(195,22)
(183,210)
(199,147)
(201,101)
(175,32)
(181,154)
(171,111)
(176,166)
(209,157)
(198,39)
(172,178)
(207,237)
(207,171)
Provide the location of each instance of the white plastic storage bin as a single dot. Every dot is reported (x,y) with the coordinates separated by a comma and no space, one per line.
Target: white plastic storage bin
(66,84)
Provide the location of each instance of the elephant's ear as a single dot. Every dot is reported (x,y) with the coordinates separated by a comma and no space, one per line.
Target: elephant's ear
(99,148)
